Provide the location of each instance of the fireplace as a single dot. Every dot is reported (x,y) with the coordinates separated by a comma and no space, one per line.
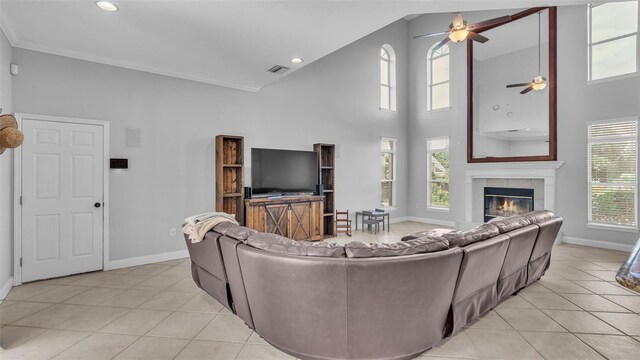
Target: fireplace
(506,202)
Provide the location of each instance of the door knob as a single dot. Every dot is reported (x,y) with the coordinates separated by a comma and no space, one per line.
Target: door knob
(97,205)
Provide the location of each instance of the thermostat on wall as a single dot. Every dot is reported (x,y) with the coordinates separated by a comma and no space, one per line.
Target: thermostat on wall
(119,164)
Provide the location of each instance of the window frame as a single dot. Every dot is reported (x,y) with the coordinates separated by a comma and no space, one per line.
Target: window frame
(590,45)
(430,84)
(391,86)
(394,141)
(431,206)
(606,226)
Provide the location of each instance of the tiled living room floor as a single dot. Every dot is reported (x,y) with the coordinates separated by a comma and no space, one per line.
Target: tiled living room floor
(576,311)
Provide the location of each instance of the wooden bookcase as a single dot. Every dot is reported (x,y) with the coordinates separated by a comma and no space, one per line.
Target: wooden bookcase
(230,175)
(326,177)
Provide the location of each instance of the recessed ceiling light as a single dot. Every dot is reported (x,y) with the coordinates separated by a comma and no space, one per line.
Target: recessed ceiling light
(296,60)
(107,6)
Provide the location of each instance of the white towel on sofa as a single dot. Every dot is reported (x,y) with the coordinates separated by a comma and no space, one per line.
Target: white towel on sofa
(206,216)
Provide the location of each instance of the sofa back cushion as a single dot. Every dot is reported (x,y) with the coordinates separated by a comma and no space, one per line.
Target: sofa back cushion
(511,223)
(397,305)
(547,233)
(430,232)
(357,249)
(479,233)
(538,216)
(282,245)
(234,231)
(206,254)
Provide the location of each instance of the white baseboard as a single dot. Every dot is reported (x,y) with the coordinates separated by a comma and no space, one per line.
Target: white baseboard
(147,259)
(4,291)
(597,243)
(398,219)
(432,221)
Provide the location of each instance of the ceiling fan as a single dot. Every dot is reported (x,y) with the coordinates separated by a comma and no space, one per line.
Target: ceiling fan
(539,82)
(460,30)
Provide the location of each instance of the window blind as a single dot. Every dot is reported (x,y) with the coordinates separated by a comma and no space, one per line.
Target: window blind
(612,173)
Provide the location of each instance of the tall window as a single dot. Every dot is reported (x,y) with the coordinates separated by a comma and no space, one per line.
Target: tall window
(388,173)
(438,78)
(387,78)
(613,39)
(438,173)
(612,173)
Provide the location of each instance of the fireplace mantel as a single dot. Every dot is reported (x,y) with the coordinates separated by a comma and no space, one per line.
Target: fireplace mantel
(544,170)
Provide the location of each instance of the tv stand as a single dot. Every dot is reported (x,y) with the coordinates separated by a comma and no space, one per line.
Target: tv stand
(298,217)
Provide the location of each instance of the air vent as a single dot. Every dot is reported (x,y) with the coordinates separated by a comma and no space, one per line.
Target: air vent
(278,69)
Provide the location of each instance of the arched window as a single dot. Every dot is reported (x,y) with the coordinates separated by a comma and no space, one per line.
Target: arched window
(438,78)
(387,78)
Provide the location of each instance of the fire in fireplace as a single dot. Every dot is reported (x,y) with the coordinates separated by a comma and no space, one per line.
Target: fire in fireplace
(506,202)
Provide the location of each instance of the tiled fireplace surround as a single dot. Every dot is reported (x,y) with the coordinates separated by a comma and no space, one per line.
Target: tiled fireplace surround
(540,176)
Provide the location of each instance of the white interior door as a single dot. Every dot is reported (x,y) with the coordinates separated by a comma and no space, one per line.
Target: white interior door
(62,198)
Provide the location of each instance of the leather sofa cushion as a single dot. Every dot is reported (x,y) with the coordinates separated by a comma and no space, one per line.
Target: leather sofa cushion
(479,233)
(538,216)
(282,245)
(431,232)
(426,244)
(511,223)
(234,231)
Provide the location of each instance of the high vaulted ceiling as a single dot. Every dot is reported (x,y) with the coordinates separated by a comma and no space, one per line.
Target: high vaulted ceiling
(227,43)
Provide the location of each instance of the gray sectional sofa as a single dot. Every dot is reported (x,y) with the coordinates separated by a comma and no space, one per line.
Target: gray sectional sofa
(370,301)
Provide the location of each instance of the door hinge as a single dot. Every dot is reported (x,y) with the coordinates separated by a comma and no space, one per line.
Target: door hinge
(20,200)
(20,262)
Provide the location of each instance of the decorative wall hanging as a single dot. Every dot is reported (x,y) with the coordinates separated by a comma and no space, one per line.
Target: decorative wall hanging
(10,136)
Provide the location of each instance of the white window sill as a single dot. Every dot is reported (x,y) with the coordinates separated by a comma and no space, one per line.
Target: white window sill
(613,78)
(593,225)
(393,111)
(435,208)
(439,110)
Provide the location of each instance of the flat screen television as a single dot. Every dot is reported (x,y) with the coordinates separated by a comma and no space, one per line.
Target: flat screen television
(276,172)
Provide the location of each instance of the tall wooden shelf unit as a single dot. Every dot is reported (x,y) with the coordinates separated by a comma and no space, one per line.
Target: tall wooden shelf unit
(230,175)
(326,177)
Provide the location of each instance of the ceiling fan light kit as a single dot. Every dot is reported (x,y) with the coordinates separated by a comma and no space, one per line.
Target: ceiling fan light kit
(539,82)
(460,30)
(458,35)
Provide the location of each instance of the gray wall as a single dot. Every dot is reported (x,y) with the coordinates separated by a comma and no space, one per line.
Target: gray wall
(6,166)
(334,100)
(578,101)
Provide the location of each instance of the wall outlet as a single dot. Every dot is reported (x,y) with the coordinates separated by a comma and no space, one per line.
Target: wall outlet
(417,205)
(173,231)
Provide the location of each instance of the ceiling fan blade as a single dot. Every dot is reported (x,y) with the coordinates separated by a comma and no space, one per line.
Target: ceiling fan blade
(441,44)
(526,90)
(432,34)
(477,37)
(518,85)
(490,22)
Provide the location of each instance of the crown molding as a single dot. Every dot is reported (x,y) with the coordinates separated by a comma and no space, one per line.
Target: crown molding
(12,36)
(131,65)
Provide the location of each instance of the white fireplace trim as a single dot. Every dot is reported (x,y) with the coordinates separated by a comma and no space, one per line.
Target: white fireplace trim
(545,170)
